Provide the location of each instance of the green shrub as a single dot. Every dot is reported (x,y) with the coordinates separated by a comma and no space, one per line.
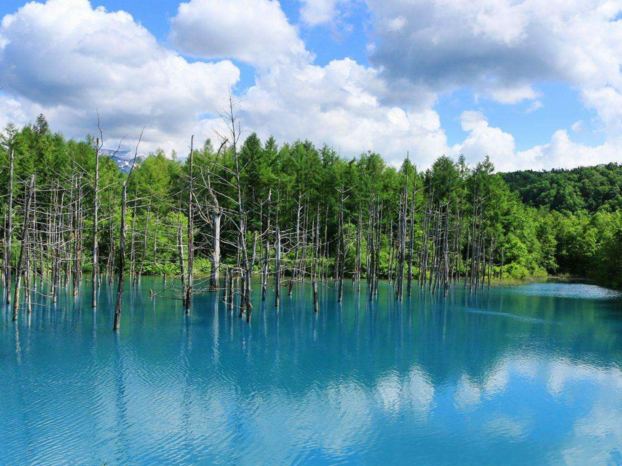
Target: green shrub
(516,271)
(202,266)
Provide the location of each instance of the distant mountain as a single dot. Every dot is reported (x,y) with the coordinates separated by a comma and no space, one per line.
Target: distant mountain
(123,158)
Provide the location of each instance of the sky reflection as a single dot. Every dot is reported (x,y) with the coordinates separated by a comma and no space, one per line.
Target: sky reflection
(507,377)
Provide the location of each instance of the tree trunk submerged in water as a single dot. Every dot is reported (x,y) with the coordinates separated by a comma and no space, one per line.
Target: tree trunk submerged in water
(9,229)
(23,249)
(95,281)
(118,308)
(189,285)
(120,279)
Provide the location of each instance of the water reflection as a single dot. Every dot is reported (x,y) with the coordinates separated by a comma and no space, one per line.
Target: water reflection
(526,375)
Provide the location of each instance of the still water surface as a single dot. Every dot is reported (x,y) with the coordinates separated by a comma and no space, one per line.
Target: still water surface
(528,375)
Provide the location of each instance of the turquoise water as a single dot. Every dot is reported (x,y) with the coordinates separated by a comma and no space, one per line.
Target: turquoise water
(528,375)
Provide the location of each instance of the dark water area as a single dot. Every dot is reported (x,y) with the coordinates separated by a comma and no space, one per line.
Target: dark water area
(526,375)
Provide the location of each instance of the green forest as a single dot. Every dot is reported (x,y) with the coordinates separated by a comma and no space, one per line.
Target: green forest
(580,190)
(331,216)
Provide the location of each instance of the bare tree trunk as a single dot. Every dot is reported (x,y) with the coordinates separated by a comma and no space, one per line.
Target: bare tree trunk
(182,261)
(230,286)
(378,247)
(94,283)
(401,259)
(249,282)
(277,269)
(371,245)
(342,251)
(297,245)
(490,251)
(120,282)
(217,213)
(357,261)
(79,236)
(316,306)
(411,246)
(190,232)
(9,233)
(264,275)
(27,281)
(24,246)
(132,238)
(225,288)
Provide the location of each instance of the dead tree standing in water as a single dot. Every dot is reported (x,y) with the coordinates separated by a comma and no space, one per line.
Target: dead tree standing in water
(23,250)
(120,280)
(188,300)
(9,229)
(264,274)
(95,277)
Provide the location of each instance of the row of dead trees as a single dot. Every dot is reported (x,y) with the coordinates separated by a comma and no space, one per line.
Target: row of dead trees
(431,243)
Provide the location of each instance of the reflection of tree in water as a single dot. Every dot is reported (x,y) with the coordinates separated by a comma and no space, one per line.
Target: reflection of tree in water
(451,378)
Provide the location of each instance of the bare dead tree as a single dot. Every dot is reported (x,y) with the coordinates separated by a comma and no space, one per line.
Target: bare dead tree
(23,248)
(95,283)
(188,300)
(9,227)
(120,280)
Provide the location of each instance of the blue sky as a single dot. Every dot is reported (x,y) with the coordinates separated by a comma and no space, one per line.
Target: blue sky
(532,84)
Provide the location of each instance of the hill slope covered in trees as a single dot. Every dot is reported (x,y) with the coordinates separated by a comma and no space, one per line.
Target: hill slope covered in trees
(583,189)
(583,208)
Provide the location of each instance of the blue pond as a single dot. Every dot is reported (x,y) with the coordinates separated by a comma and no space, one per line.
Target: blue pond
(528,375)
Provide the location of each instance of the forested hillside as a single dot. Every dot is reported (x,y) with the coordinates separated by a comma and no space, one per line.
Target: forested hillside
(583,207)
(583,189)
(298,211)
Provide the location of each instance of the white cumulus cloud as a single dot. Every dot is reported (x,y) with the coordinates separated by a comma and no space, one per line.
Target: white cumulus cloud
(316,12)
(484,140)
(501,48)
(252,31)
(341,104)
(561,152)
(67,59)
